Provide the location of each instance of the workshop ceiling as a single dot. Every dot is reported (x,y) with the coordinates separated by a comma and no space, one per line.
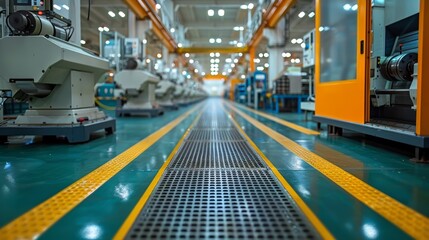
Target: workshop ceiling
(198,26)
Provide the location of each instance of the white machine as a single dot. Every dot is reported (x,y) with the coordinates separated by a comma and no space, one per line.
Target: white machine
(55,76)
(165,93)
(178,94)
(308,63)
(138,88)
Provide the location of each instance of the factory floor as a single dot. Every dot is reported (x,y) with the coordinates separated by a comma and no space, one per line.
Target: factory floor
(348,187)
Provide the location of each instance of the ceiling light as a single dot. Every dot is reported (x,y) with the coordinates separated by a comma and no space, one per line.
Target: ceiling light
(347,7)
(218,40)
(256,60)
(159,55)
(211,40)
(228,60)
(112,14)
(321,29)
(217,54)
(311,14)
(188,77)
(239,44)
(144,41)
(261,55)
(232,65)
(243,6)
(288,54)
(266,55)
(100,29)
(303,45)
(172,30)
(292,60)
(221,12)
(66,7)
(203,73)
(241,28)
(148,60)
(266,65)
(293,41)
(229,70)
(301,14)
(179,45)
(183,72)
(243,76)
(236,60)
(236,28)
(191,61)
(217,60)
(224,73)
(297,60)
(250,6)
(57,7)
(121,14)
(107,42)
(240,54)
(195,70)
(355,7)
(106,29)
(299,40)
(212,54)
(212,60)
(158,6)
(82,42)
(210,12)
(260,68)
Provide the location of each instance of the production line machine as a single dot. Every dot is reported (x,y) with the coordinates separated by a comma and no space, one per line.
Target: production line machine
(164,92)
(138,91)
(55,77)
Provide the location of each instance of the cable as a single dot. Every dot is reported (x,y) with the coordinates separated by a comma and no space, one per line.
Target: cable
(89,10)
(109,108)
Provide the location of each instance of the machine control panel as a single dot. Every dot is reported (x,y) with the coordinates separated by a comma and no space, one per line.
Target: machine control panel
(309,49)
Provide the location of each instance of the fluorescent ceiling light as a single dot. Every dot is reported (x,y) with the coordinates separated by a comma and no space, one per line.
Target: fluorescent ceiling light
(210,12)
(57,7)
(172,30)
(311,14)
(221,12)
(82,42)
(121,14)
(112,14)
(250,6)
(106,29)
(66,7)
(218,40)
(243,6)
(211,40)
(301,14)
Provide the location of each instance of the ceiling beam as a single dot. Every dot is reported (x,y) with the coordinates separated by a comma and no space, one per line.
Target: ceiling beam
(102,3)
(227,50)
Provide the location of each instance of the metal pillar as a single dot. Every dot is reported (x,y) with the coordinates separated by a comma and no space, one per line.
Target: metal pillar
(75,18)
(275,48)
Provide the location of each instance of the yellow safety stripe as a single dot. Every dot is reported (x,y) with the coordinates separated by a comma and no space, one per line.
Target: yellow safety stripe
(281,121)
(408,220)
(104,106)
(318,225)
(124,229)
(33,223)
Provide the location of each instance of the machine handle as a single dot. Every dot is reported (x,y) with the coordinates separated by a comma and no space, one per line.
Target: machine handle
(362,45)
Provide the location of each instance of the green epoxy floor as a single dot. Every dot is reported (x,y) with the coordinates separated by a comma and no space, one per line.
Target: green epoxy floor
(32,172)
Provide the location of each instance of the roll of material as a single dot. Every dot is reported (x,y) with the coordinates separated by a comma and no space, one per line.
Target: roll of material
(399,67)
(28,23)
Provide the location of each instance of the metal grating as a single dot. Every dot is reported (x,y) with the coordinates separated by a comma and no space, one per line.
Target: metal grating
(205,155)
(227,204)
(217,187)
(214,135)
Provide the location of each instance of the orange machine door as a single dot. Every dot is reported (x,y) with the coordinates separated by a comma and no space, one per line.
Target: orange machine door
(342,59)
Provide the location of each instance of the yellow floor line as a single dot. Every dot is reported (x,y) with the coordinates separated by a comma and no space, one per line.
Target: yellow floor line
(124,229)
(318,225)
(408,220)
(281,121)
(33,223)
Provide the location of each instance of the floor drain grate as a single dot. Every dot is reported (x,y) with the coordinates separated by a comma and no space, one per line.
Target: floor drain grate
(214,135)
(228,204)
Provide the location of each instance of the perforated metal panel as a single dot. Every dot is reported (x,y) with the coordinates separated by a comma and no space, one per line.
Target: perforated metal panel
(220,204)
(217,187)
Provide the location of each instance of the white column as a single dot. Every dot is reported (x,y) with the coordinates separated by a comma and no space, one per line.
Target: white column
(75,18)
(275,48)
(141,27)
(131,24)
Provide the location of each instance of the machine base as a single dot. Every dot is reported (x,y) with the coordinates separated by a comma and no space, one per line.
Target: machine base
(120,112)
(420,142)
(75,133)
(170,107)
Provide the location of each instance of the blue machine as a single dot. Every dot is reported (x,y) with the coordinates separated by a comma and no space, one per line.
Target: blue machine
(240,93)
(256,87)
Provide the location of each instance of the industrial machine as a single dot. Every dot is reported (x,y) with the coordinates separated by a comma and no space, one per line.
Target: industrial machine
(138,89)
(256,86)
(165,94)
(308,65)
(377,86)
(56,78)
(178,94)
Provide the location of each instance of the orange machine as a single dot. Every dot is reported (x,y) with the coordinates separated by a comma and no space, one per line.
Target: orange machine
(367,70)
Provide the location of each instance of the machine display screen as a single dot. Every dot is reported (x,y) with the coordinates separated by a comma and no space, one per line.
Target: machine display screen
(22,2)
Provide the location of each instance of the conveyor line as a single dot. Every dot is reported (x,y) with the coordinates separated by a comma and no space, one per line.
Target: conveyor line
(217,187)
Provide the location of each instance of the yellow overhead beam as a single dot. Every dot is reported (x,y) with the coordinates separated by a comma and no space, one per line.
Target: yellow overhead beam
(218,77)
(270,19)
(214,49)
(148,7)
